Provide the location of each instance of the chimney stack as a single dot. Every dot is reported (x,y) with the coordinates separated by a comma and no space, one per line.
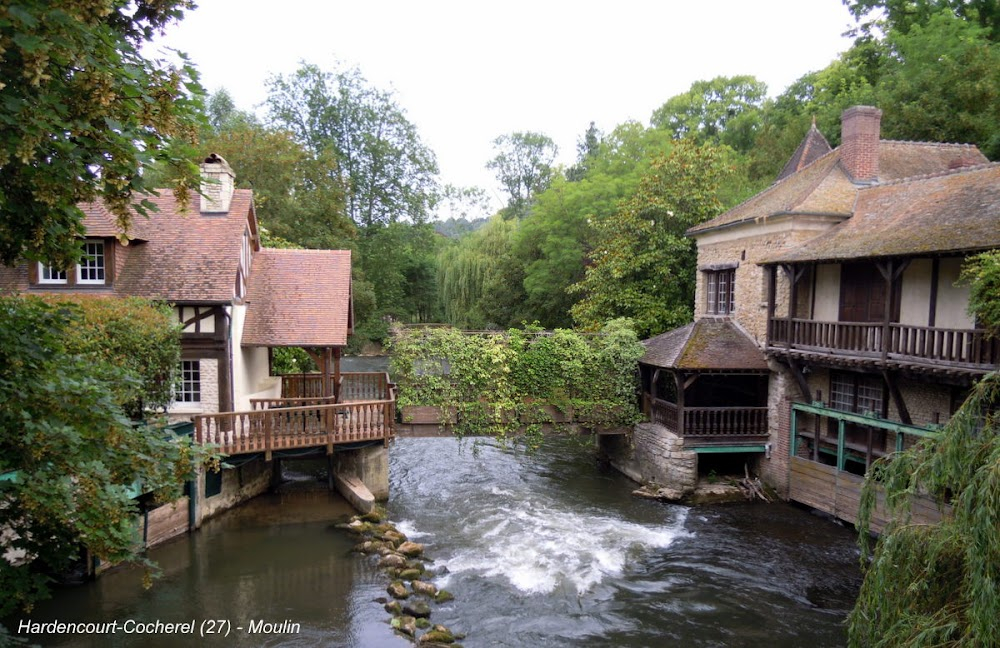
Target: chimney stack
(859,128)
(217,185)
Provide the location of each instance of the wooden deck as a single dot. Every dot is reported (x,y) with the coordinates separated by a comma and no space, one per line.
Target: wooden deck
(710,425)
(306,422)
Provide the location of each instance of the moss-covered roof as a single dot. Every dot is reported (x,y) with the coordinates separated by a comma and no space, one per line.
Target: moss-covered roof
(953,211)
(822,186)
(812,147)
(707,344)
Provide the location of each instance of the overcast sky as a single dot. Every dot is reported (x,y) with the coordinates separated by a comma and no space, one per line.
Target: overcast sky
(468,71)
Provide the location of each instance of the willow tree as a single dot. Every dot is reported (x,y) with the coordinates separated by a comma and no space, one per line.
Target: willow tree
(937,584)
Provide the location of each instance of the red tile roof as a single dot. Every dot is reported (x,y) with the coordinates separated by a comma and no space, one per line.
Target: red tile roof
(299,298)
(186,256)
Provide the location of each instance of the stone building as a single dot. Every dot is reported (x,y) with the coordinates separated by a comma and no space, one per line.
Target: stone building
(830,328)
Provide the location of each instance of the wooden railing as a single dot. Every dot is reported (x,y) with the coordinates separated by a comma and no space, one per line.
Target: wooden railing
(663,412)
(904,342)
(725,422)
(366,411)
(283,428)
(363,386)
(354,386)
(309,385)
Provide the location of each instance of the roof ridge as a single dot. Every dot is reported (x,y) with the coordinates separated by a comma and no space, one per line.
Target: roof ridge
(767,190)
(937,174)
(934,144)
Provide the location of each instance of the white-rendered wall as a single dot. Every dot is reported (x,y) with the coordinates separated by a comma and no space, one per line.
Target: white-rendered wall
(952,300)
(827,301)
(915,297)
(250,367)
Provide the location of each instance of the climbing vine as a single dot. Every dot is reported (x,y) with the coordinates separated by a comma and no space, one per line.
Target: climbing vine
(514,382)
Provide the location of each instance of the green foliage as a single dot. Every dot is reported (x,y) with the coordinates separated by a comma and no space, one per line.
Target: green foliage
(140,337)
(643,264)
(74,449)
(725,110)
(982,273)
(523,165)
(501,382)
(388,173)
(902,15)
(937,585)
(291,360)
(81,111)
(942,84)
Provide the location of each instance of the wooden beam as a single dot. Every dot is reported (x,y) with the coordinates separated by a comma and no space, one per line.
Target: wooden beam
(800,378)
(679,379)
(897,398)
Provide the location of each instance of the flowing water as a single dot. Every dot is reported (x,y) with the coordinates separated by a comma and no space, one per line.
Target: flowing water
(546,549)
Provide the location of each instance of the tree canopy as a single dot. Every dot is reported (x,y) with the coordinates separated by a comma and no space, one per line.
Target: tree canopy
(82,109)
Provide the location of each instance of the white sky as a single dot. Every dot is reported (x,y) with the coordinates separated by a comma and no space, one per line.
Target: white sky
(468,71)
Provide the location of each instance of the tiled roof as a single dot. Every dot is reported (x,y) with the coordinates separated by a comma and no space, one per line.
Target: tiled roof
(952,211)
(822,186)
(813,147)
(186,256)
(298,298)
(706,344)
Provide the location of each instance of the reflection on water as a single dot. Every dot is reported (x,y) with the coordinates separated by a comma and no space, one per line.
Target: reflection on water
(546,549)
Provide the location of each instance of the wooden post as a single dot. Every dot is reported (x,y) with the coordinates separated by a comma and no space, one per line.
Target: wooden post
(336,373)
(771,288)
(680,403)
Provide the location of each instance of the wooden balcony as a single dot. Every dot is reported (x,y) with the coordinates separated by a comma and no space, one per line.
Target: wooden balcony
(897,345)
(710,425)
(366,412)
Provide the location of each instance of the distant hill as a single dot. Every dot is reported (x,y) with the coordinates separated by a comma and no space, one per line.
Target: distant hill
(458,227)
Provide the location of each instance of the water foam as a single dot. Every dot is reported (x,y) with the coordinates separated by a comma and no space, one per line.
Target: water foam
(537,547)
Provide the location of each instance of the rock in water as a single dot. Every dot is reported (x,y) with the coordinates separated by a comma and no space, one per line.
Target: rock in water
(420,587)
(405,624)
(397,590)
(443,596)
(417,609)
(411,549)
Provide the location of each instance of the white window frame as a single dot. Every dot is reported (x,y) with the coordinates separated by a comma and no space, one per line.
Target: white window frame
(189,387)
(54,276)
(720,291)
(93,262)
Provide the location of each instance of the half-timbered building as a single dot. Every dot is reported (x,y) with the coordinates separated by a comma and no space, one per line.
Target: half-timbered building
(839,287)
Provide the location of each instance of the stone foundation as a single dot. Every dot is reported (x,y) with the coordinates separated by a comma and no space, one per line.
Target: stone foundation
(652,455)
(369,464)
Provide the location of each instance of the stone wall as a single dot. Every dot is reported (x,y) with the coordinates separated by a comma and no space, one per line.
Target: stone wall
(746,247)
(369,464)
(238,485)
(652,455)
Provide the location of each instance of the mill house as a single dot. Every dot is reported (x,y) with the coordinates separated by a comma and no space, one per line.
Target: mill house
(830,324)
(235,302)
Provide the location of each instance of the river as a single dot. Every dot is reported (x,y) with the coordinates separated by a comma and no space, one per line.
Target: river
(541,549)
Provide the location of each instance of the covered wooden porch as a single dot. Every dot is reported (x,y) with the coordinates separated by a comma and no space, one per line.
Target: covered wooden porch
(707,383)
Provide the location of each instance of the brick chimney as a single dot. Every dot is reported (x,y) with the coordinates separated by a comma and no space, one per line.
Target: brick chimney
(217,184)
(859,137)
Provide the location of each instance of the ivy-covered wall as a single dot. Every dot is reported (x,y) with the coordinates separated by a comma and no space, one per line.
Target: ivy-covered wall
(514,381)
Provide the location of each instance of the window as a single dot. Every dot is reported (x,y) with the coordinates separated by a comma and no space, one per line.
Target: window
(856,393)
(91,268)
(720,291)
(50,275)
(189,389)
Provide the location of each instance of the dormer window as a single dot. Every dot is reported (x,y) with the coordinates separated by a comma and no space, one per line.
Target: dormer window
(91,269)
(720,291)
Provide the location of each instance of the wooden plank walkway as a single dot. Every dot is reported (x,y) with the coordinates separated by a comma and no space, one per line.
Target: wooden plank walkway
(303,423)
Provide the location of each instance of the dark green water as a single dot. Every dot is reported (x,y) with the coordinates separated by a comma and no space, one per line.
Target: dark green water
(546,549)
